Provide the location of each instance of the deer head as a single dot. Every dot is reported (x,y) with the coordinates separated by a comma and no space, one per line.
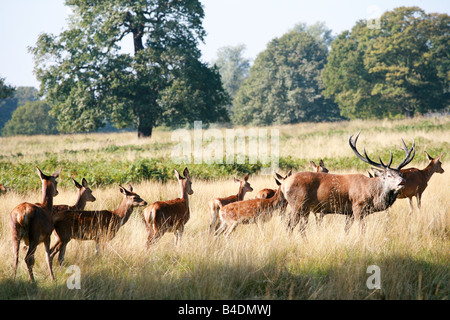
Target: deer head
(391,177)
(435,163)
(244,185)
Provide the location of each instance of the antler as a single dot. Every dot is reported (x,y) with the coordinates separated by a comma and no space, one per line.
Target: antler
(409,154)
(366,158)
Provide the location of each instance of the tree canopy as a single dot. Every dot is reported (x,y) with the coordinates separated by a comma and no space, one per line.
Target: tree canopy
(285,84)
(89,80)
(400,68)
(30,119)
(19,97)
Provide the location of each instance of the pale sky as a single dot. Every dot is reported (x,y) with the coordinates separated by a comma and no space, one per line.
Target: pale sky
(227,22)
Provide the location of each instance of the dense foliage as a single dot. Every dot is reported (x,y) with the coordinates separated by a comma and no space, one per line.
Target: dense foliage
(398,69)
(285,84)
(29,119)
(89,80)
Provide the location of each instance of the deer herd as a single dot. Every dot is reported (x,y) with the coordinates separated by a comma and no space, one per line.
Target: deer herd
(318,192)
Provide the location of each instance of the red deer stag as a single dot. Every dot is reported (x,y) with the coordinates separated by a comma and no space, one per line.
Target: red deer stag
(171,215)
(34,223)
(100,225)
(217,203)
(417,180)
(353,195)
(250,211)
(63,225)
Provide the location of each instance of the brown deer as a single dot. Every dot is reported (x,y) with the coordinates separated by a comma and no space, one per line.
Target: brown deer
(353,195)
(171,215)
(417,180)
(320,167)
(63,226)
(217,203)
(250,211)
(269,193)
(84,195)
(99,225)
(33,223)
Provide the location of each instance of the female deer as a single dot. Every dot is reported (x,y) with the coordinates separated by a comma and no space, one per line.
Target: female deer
(33,223)
(171,215)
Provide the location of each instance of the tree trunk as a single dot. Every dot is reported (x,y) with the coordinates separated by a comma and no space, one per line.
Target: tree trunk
(145,127)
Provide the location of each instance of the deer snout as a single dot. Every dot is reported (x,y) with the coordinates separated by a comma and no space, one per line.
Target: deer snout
(401,183)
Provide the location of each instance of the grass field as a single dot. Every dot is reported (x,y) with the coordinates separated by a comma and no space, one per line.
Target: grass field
(411,250)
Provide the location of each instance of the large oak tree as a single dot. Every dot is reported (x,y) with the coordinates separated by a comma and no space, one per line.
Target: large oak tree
(89,79)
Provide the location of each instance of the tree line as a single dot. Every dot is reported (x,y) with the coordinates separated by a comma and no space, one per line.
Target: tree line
(397,68)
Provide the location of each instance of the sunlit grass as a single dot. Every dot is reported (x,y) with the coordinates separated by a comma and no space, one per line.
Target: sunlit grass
(255,262)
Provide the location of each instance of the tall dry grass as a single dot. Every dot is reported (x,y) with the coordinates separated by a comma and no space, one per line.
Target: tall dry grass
(256,262)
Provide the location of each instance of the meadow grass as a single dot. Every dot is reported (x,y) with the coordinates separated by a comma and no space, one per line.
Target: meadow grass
(256,262)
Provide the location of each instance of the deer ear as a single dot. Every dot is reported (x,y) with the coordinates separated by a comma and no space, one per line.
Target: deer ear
(246,177)
(40,174)
(289,174)
(186,173)
(177,174)
(57,172)
(122,190)
(79,186)
(377,172)
(428,156)
(278,182)
(321,163)
(130,187)
(236,180)
(278,177)
(313,165)
(84,183)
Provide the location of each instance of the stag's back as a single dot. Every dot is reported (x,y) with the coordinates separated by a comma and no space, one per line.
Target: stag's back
(327,192)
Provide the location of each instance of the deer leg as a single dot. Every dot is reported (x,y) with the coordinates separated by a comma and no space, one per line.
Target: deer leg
(411,209)
(348,222)
(16,247)
(319,218)
(292,221)
(178,234)
(55,248)
(231,228)
(48,257)
(157,234)
(29,259)
(303,222)
(62,252)
(221,229)
(213,220)
(419,199)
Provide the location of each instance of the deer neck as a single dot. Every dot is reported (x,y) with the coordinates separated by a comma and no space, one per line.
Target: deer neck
(428,171)
(47,199)
(80,203)
(241,194)
(384,197)
(124,211)
(183,194)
